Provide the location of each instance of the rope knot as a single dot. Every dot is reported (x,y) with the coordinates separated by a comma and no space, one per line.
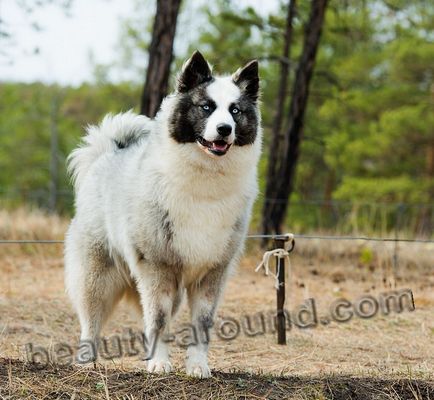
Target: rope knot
(279,253)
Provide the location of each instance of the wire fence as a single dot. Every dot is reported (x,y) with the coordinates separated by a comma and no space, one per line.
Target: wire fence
(276,239)
(332,237)
(260,236)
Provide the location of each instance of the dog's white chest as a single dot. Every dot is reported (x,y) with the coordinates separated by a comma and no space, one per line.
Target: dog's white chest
(202,230)
(204,205)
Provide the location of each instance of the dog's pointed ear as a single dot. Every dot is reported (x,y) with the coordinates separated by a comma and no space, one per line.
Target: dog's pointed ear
(247,79)
(195,71)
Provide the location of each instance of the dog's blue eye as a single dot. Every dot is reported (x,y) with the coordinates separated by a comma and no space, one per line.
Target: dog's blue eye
(206,107)
(235,110)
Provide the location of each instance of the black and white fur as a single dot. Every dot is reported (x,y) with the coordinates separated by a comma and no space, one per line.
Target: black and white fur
(163,205)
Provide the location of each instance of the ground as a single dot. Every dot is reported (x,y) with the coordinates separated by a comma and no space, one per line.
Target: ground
(376,355)
(19,380)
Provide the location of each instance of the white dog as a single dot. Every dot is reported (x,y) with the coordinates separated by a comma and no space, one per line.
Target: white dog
(163,205)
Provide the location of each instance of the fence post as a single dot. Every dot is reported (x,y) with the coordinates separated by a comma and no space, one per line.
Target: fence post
(280,315)
(54,154)
(398,223)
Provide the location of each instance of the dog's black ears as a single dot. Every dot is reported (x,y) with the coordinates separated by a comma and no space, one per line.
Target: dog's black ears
(247,79)
(195,71)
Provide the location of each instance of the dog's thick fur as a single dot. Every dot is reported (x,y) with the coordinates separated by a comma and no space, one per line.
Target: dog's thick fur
(163,205)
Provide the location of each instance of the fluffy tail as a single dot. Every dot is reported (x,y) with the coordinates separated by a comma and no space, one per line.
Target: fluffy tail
(114,132)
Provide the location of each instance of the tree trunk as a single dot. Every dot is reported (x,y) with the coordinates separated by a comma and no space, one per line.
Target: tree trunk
(284,181)
(160,56)
(275,155)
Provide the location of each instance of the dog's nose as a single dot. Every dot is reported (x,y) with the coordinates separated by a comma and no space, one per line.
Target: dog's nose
(224,129)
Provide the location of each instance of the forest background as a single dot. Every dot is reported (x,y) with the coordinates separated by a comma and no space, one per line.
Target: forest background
(367,156)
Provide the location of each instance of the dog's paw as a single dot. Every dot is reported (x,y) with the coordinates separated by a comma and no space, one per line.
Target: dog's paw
(87,352)
(198,370)
(159,366)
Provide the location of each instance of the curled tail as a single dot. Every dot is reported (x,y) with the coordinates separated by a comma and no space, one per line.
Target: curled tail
(115,132)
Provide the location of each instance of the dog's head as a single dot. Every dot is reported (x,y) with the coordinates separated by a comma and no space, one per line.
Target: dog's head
(216,113)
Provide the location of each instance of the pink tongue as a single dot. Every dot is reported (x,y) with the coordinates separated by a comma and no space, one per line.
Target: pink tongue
(217,146)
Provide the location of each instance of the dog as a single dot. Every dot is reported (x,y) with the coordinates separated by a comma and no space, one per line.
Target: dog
(163,206)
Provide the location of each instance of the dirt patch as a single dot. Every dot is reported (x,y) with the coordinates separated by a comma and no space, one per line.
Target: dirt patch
(33,381)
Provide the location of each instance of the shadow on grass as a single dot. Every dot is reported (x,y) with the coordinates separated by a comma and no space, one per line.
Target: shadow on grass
(23,380)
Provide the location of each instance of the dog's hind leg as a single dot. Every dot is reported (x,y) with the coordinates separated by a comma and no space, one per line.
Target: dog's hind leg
(94,285)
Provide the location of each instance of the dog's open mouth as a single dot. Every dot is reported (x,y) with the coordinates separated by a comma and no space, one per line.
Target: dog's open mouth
(217,147)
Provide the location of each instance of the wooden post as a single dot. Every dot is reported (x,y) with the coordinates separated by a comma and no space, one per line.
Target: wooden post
(280,316)
(54,153)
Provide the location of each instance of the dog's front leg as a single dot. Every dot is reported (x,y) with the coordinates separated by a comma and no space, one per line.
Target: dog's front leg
(203,297)
(157,287)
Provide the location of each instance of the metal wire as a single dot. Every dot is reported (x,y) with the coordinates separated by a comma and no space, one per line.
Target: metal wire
(261,236)
(326,237)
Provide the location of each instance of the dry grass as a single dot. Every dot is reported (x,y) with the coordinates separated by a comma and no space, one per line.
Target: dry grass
(410,256)
(32,381)
(31,224)
(346,357)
